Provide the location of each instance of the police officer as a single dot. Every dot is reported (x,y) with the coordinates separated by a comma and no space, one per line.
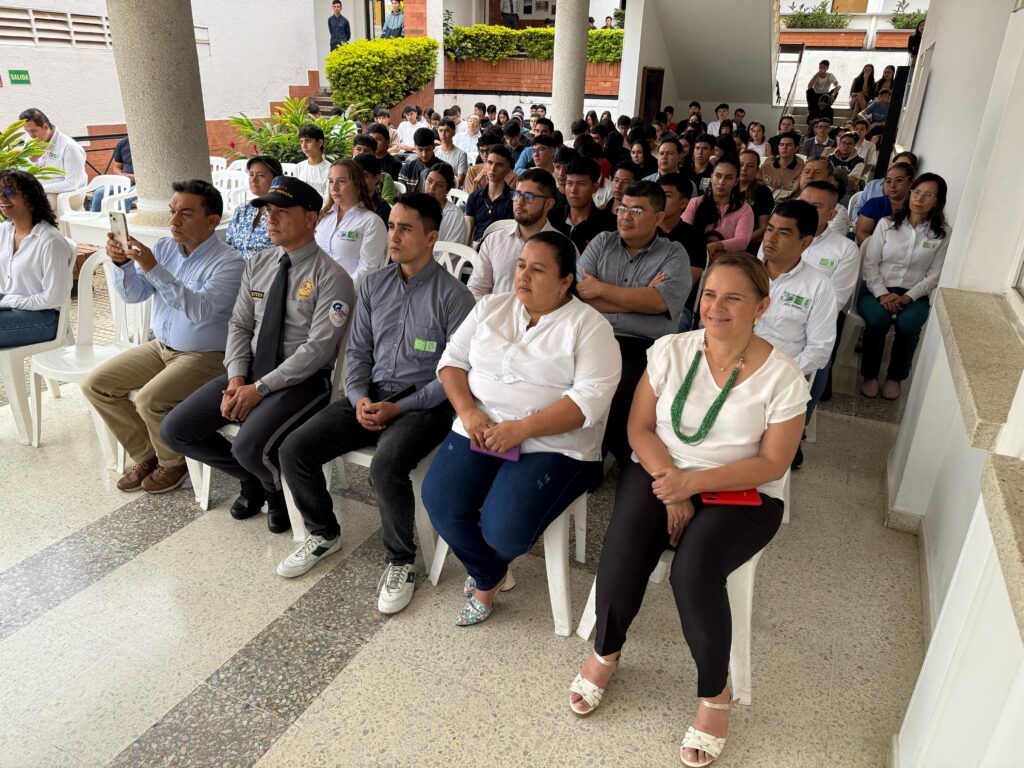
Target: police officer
(288,321)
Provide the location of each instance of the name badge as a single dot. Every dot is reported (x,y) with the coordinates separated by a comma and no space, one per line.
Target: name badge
(256,294)
(827,262)
(352,235)
(803,303)
(422,345)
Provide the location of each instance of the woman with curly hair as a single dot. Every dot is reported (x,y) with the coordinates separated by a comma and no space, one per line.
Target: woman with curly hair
(35,263)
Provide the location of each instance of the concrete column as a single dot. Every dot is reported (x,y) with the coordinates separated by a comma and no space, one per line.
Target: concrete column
(570,64)
(158,70)
(435,31)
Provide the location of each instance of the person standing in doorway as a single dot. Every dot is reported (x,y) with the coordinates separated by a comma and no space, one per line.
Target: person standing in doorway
(338,26)
(510,13)
(394,24)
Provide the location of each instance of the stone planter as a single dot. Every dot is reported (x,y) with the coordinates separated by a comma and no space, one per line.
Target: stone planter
(849,39)
(893,39)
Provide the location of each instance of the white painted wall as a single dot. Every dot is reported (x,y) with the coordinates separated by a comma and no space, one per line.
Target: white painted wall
(254,57)
(644,45)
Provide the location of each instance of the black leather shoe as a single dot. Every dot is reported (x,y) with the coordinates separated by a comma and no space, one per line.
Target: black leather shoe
(798,460)
(277,513)
(250,501)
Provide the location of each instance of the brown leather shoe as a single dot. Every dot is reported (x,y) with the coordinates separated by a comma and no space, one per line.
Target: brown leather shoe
(132,479)
(164,479)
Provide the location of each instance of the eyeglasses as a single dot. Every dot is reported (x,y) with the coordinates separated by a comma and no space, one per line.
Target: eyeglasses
(922,193)
(528,197)
(622,210)
(8,192)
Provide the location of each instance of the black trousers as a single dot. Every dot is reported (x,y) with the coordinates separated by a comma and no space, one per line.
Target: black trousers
(400,447)
(191,427)
(634,363)
(717,541)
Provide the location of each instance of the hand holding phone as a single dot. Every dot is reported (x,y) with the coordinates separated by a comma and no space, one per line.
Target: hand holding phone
(119,229)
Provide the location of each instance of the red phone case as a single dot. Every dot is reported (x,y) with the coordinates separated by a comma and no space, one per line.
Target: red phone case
(748,498)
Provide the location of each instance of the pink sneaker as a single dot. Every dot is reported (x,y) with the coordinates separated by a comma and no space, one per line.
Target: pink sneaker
(891,389)
(869,388)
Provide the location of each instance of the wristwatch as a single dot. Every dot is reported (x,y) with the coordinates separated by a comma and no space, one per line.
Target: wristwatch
(262,389)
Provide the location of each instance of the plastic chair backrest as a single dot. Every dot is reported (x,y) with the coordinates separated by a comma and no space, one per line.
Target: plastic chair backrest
(217,163)
(84,337)
(457,258)
(497,226)
(235,198)
(459,196)
(400,188)
(64,319)
(238,165)
(854,199)
(225,181)
(288,169)
(118,202)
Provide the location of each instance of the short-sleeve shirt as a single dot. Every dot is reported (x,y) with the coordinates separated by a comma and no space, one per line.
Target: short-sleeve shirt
(775,392)
(486,211)
(825,84)
(123,155)
(763,203)
(876,112)
(877,208)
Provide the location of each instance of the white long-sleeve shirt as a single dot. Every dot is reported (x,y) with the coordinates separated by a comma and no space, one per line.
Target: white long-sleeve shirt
(838,258)
(67,154)
(495,267)
(358,242)
(38,275)
(801,319)
(904,257)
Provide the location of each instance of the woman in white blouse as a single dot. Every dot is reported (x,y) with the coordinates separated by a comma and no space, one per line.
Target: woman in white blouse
(531,375)
(35,263)
(717,410)
(349,230)
(902,263)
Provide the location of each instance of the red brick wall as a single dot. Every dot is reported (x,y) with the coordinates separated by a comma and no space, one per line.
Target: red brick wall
(832,38)
(415,18)
(423,97)
(892,39)
(525,75)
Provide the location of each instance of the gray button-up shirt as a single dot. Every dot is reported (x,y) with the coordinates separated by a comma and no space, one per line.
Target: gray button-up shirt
(607,259)
(317,311)
(399,331)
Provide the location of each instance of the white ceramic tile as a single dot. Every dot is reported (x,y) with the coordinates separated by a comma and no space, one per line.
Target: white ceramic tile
(21,749)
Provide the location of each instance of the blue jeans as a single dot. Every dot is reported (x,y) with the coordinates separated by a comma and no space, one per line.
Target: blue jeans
(491,511)
(21,327)
(97,200)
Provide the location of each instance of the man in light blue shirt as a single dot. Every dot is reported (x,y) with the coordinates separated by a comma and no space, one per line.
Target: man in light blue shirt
(193,280)
(544,128)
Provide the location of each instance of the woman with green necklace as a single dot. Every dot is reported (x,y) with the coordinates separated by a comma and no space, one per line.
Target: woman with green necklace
(718,409)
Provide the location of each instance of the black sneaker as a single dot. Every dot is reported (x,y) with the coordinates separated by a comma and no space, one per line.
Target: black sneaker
(250,500)
(277,513)
(798,460)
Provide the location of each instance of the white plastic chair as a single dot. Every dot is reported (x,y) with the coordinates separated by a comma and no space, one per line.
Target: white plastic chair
(556,561)
(400,188)
(74,362)
(498,226)
(239,165)
(118,202)
(846,356)
(854,199)
(740,586)
(288,169)
(12,365)
(225,181)
(459,196)
(217,163)
(457,258)
(235,198)
(73,202)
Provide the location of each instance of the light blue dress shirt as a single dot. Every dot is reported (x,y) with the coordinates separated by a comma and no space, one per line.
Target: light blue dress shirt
(192,295)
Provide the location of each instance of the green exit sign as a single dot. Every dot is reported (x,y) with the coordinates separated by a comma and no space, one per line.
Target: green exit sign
(18,77)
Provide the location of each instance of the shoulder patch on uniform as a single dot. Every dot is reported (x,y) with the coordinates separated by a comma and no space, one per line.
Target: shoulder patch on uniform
(256,294)
(338,313)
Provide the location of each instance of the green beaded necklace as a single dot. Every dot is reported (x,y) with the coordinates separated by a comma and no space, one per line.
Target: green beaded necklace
(684,391)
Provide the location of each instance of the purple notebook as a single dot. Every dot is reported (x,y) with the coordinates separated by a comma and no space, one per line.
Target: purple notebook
(512,454)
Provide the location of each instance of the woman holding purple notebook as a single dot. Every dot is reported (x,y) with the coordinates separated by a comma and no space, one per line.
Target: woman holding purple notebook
(531,375)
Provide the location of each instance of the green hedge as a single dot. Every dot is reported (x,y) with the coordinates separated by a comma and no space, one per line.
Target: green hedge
(380,72)
(818,16)
(490,43)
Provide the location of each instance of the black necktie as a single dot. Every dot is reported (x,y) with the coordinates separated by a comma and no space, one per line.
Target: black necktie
(269,342)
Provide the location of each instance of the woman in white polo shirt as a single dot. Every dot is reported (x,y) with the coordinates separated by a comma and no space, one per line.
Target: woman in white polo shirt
(35,263)
(902,263)
(717,410)
(349,230)
(531,375)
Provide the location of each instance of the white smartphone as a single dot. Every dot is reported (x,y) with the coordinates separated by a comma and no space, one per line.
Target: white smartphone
(119,228)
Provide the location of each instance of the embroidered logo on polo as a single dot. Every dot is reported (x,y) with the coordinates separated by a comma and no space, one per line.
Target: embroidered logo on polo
(256,294)
(929,244)
(305,290)
(803,303)
(828,263)
(350,235)
(422,345)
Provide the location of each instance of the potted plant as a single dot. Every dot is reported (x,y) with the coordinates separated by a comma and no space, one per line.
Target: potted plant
(819,27)
(278,135)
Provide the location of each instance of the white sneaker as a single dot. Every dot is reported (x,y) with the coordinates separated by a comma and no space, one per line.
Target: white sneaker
(313,550)
(396,587)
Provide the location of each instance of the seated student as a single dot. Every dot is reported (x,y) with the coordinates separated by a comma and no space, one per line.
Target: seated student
(721,114)
(493,202)
(467,140)
(616,276)
(534,372)
(382,116)
(579,218)
(677,189)
(902,264)
(624,175)
(476,176)
(757,196)
(725,146)
(407,128)
(394,400)
(372,174)
(702,168)
(247,230)
(543,149)
(757,141)
(63,152)
(35,285)
(896,185)
(388,162)
(876,187)
(820,170)
(414,171)
(349,230)
(822,108)
(823,84)
(844,157)
(383,186)
(781,173)
(288,320)
(787,125)
(815,146)
(563,156)
(313,170)
(544,127)
(533,200)
(877,111)
(193,278)
(738,421)
(670,154)
(513,140)
(454,227)
(120,165)
(865,149)
(640,154)
(722,210)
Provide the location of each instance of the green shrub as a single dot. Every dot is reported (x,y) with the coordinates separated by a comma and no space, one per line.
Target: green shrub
(481,41)
(380,72)
(903,19)
(278,136)
(619,18)
(604,45)
(17,151)
(537,42)
(815,17)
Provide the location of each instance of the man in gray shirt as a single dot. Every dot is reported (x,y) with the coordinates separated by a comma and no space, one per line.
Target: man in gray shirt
(639,282)
(403,318)
(289,318)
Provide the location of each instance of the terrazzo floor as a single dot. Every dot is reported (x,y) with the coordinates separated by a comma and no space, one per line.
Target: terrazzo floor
(142,631)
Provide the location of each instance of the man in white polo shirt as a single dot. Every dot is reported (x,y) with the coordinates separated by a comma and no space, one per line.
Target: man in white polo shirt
(532,201)
(63,152)
(801,319)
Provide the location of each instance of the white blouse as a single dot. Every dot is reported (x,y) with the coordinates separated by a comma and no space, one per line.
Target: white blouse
(775,392)
(38,275)
(907,257)
(359,242)
(759,148)
(515,371)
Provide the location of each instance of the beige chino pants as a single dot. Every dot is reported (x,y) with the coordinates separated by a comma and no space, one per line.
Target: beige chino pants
(163,377)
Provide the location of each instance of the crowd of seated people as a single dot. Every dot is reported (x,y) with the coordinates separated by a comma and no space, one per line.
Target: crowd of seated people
(668,295)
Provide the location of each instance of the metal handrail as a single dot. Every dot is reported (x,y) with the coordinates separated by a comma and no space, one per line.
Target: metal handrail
(797,48)
(87,141)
